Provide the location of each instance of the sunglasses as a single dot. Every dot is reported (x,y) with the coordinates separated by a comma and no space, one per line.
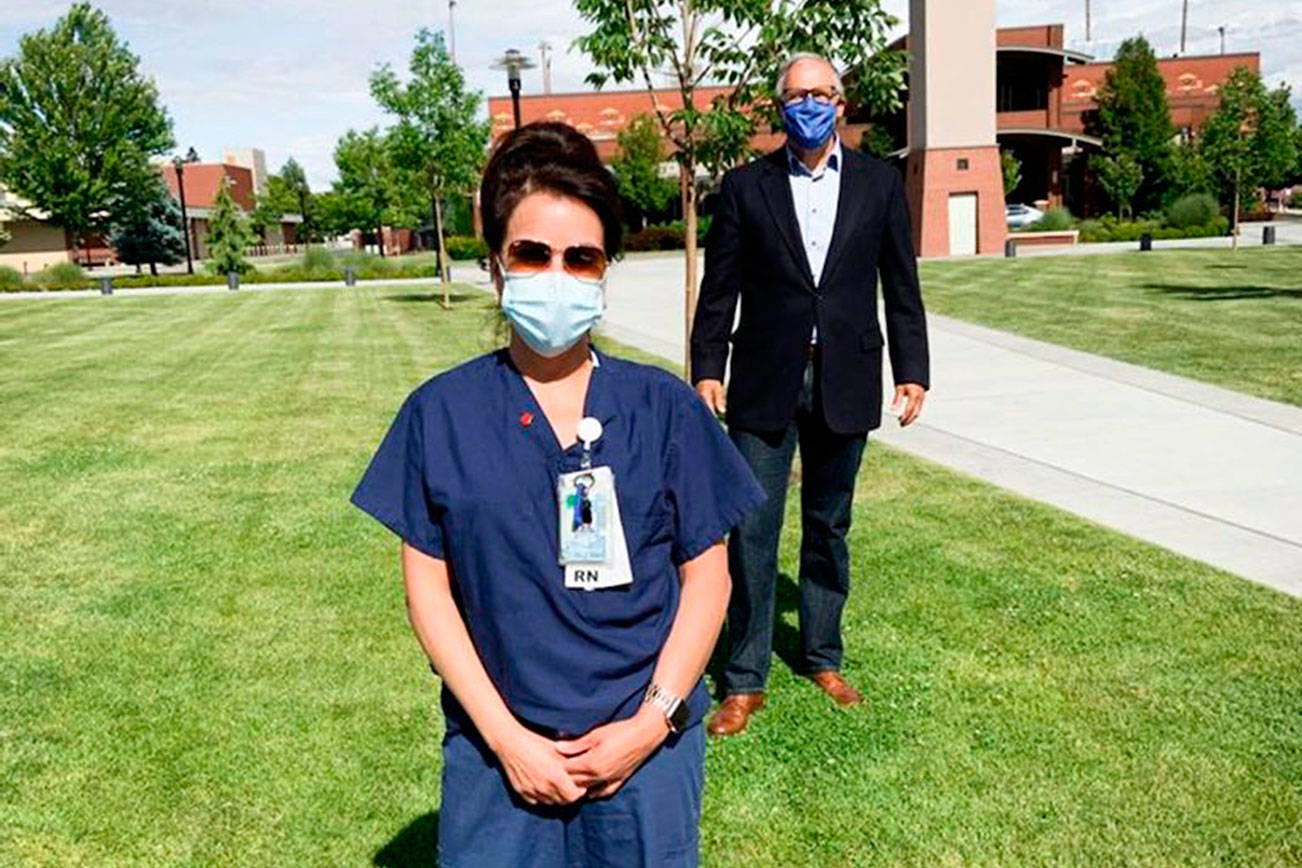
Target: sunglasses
(531,257)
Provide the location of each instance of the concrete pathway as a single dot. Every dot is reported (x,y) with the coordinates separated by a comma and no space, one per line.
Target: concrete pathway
(1204,471)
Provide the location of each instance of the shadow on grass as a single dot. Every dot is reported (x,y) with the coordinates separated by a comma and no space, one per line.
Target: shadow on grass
(416,845)
(454,298)
(1224,293)
(786,639)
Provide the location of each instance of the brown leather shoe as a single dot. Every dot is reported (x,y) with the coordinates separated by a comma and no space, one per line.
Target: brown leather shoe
(831,683)
(734,713)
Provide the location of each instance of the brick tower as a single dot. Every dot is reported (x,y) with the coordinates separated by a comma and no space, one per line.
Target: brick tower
(953,176)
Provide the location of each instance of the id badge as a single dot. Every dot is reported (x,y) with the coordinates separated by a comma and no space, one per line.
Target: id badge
(584,499)
(592,545)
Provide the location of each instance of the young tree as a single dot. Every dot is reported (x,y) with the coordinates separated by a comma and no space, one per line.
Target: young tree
(1134,118)
(1012,171)
(366,180)
(1250,141)
(147,228)
(78,122)
(1120,177)
(437,136)
(740,43)
(296,189)
(877,142)
(637,168)
(228,234)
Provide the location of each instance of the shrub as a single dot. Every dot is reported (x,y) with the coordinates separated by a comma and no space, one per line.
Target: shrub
(61,275)
(465,247)
(655,238)
(11,280)
(1054,220)
(1195,209)
(1296,200)
(318,259)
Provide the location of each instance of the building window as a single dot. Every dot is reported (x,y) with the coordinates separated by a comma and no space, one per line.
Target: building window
(962,164)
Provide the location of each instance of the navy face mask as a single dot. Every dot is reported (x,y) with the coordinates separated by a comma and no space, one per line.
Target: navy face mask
(809,123)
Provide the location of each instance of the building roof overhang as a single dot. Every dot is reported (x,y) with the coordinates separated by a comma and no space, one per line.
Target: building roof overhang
(1068,54)
(1065,135)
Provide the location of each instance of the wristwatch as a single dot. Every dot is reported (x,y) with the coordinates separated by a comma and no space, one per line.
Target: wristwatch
(675,710)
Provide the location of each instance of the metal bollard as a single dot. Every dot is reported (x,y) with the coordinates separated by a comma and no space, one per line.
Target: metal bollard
(1010,248)
(350,276)
(106,286)
(1146,241)
(232,280)
(1268,235)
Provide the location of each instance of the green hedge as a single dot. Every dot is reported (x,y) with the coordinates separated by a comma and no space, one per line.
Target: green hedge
(462,247)
(665,236)
(1109,228)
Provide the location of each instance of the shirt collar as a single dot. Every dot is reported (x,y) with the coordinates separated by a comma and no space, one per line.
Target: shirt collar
(833,160)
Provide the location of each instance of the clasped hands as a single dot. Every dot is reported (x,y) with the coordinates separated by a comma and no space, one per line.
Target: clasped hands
(596,765)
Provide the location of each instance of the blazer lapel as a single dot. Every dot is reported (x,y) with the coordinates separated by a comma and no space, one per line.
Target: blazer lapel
(776,187)
(847,203)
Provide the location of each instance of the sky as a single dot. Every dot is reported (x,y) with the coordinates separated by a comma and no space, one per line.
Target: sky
(290,76)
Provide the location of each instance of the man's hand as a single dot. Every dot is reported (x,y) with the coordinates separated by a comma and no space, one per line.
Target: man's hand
(536,769)
(911,396)
(602,760)
(711,392)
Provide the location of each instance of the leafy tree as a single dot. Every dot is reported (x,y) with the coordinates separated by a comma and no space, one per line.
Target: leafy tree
(78,122)
(1250,141)
(877,142)
(1189,171)
(1134,119)
(437,137)
(1012,171)
(637,168)
(1120,177)
(147,228)
(740,43)
(297,190)
(366,180)
(228,234)
(280,198)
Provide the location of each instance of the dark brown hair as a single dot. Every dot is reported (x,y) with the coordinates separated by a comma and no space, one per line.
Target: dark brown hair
(550,156)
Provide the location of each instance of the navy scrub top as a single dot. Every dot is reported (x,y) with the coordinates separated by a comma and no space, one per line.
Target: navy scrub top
(467,473)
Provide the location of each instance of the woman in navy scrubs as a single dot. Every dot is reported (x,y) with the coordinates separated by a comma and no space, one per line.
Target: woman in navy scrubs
(573,696)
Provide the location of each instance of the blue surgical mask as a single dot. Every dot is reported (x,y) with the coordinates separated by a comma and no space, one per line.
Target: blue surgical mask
(552,310)
(809,123)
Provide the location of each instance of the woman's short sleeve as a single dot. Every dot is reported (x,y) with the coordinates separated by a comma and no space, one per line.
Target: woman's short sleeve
(709,482)
(394,491)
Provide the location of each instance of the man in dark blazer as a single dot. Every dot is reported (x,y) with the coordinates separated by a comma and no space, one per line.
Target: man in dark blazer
(800,237)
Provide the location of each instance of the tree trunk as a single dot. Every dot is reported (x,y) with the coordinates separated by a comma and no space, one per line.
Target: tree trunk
(153,268)
(379,239)
(687,192)
(445,271)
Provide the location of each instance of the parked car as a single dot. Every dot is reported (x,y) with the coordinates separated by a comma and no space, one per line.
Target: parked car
(1021,216)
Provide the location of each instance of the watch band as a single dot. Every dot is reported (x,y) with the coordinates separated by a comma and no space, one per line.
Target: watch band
(673,707)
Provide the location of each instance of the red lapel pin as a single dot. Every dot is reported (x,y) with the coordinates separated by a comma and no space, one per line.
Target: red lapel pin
(526,418)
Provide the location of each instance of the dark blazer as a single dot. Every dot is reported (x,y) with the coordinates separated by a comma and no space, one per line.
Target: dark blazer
(754,252)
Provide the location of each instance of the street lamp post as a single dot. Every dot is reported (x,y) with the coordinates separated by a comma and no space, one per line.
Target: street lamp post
(179,164)
(513,61)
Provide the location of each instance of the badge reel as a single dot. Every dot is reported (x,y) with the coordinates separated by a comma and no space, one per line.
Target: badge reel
(592,546)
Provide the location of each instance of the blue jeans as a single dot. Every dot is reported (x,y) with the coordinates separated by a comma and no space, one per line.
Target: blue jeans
(829,465)
(653,821)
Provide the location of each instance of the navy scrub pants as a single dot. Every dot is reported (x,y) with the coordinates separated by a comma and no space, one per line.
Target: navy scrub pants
(654,820)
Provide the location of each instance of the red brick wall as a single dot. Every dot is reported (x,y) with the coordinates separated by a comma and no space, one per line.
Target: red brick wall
(1192,86)
(1042,35)
(931,176)
(202,180)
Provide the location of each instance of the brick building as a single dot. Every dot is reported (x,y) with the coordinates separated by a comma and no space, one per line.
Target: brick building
(1014,88)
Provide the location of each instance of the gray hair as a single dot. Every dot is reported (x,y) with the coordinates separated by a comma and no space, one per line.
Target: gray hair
(793,59)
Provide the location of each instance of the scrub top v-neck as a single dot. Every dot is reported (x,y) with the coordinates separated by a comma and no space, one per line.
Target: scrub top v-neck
(467,473)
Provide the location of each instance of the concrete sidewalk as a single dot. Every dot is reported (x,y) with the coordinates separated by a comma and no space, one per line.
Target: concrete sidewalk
(1204,471)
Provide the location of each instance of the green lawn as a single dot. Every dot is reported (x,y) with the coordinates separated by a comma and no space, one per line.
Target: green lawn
(1234,319)
(205,659)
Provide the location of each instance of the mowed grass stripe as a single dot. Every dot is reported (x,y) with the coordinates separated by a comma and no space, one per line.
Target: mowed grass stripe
(205,659)
(1233,319)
